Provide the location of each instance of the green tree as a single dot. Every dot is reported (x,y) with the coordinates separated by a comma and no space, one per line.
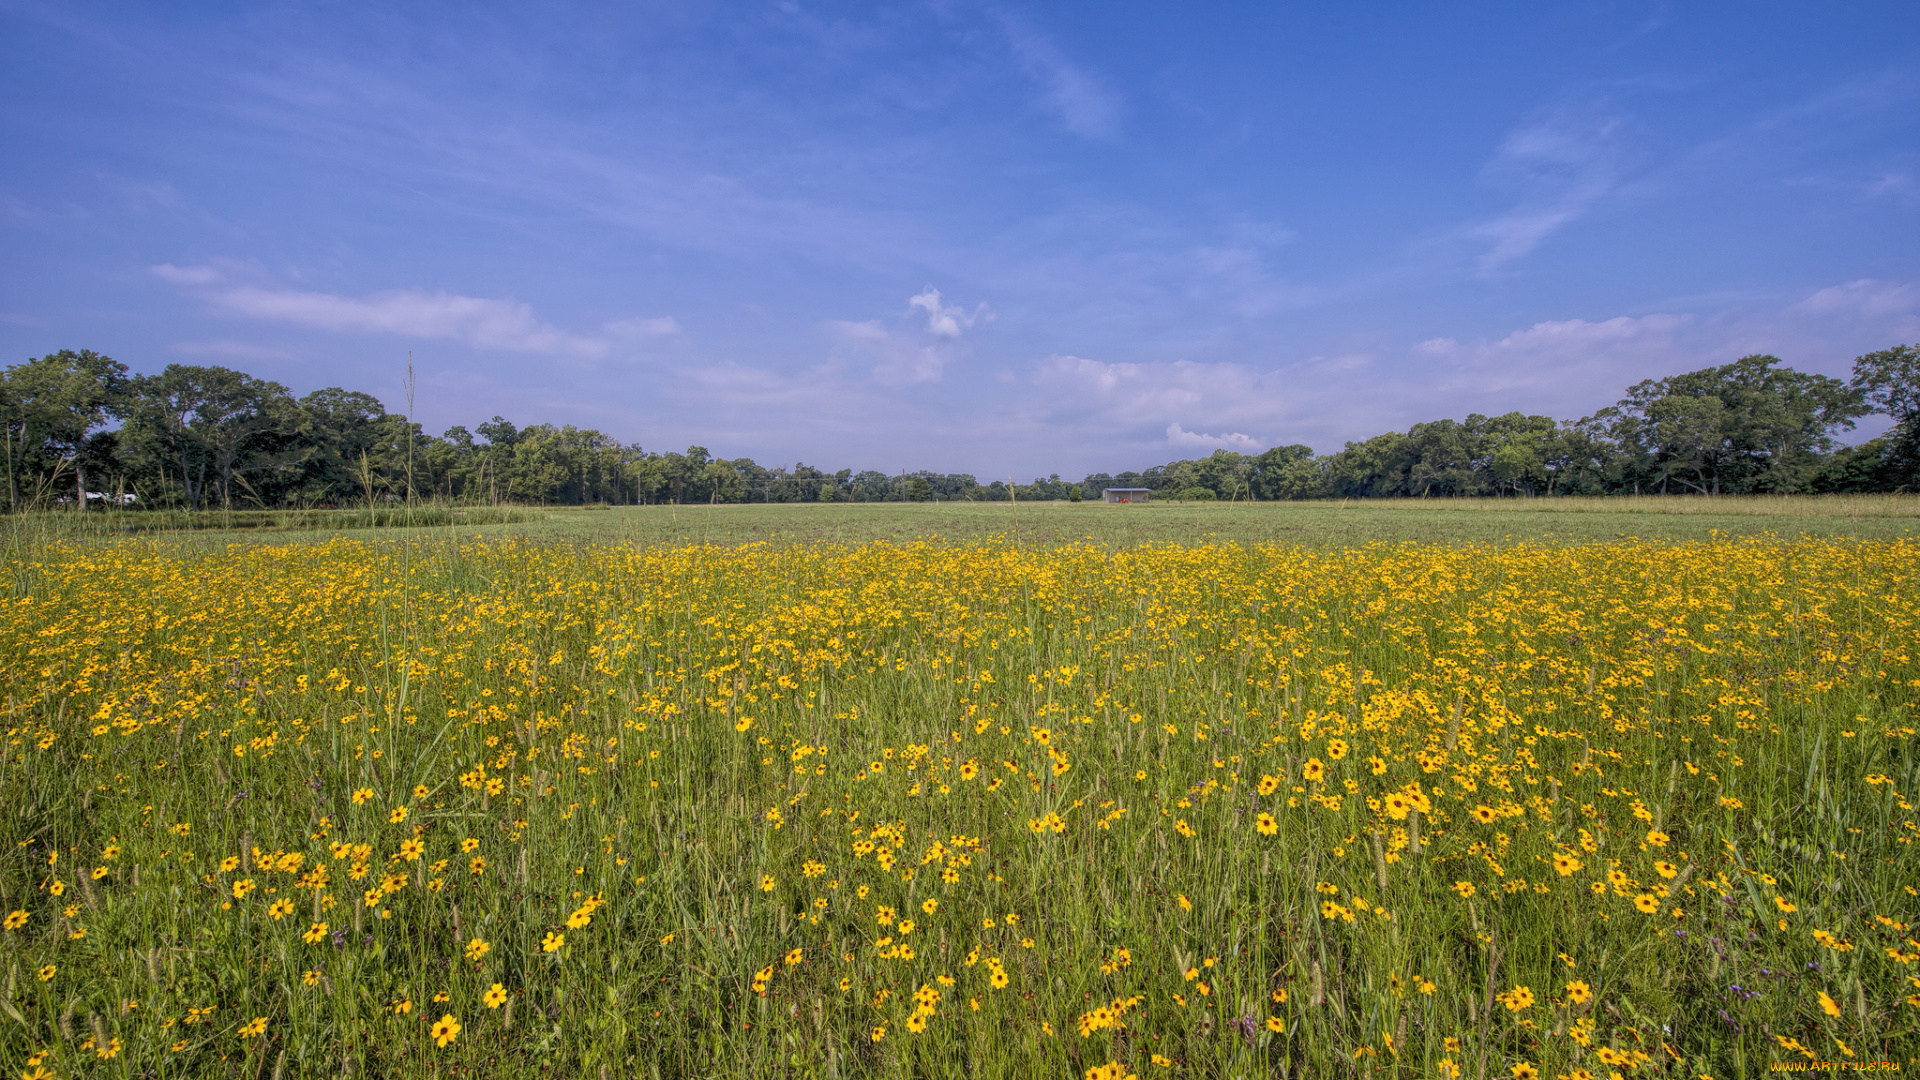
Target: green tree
(54,406)
(726,481)
(1515,449)
(1375,467)
(871,485)
(1889,380)
(208,428)
(339,446)
(1288,472)
(1748,426)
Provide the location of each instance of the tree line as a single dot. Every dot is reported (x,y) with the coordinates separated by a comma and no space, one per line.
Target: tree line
(80,429)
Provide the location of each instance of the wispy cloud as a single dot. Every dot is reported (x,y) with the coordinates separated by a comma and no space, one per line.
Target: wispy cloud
(643,328)
(1892,184)
(1157,397)
(904,359)
(1892,305)
(185,275)
(1082,102)
(1575,338)
(1558,366)
(1867,297)
(1571,367)
(833,411)
(891,359)
(482,322)
(1563,161)
(1117,187)
(472,320)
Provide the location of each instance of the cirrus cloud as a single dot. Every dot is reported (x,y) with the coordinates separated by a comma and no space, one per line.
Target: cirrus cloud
(1563,161)
(1866,297)
(482,322)
(471,320)
(1081,100)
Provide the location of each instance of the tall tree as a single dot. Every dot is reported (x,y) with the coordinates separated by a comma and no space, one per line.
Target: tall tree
(1751,425)
(54,406)
(1890,382)
(209,427)
(339,445)
(1289,472)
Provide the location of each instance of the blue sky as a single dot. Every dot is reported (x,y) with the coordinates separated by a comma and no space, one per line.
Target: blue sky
(988,238)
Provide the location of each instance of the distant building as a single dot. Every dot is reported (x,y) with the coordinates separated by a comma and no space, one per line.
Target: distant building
(1125,495)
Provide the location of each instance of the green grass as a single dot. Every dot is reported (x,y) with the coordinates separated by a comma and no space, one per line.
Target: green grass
(702,737)
(1320,525)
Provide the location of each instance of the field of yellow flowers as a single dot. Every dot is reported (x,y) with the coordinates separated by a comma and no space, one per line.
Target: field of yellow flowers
(511,808)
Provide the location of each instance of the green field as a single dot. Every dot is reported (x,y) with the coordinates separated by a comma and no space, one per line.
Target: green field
(1488,789)
(1305,524)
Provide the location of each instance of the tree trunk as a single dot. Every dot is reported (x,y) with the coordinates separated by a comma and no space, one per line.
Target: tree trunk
(13,487)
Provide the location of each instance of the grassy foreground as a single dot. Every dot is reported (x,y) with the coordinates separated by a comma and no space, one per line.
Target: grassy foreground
(510,807)
(43,525)
(1293,524)
(1336,524)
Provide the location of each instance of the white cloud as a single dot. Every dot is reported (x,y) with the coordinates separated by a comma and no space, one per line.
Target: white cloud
(1562,161)
(477,321)
(1233,440)
(1132,393)
(1163,397)
(893,361)
(1557,364)
(829,413)
(898,359)
(1081,100)
(185,275)
(1557,367)
(1515,234)
(642,328)
(1140,410)
(908,367)
(1572,338)
(1869,309)
(871,330)
(946,321)
(490,324)
(1866,297)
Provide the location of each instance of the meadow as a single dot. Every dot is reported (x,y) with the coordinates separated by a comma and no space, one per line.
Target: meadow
(816,791)
(1314,524)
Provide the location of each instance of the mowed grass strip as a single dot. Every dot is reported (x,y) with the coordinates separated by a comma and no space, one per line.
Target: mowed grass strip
(1321,525)
(512,807)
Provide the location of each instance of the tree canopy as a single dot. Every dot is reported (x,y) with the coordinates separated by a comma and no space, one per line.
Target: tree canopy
(201,437)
